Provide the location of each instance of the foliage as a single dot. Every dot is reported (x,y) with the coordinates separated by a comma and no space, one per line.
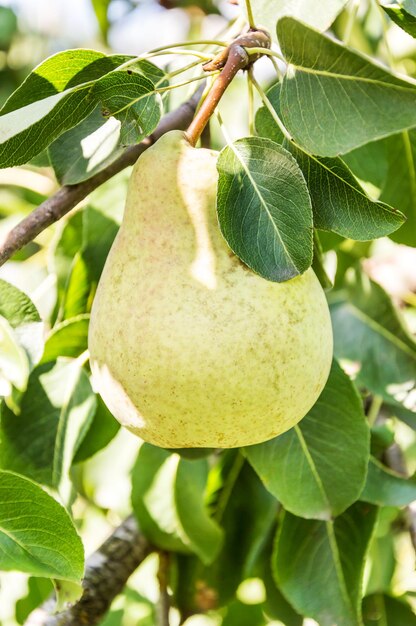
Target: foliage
(316,517)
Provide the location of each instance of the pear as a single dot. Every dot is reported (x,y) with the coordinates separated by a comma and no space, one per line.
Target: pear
(189,347)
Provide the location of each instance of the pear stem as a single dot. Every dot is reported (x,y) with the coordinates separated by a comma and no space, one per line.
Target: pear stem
(232,59)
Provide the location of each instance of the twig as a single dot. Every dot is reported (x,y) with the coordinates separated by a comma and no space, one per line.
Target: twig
(69,196)
(249,13)
(164,600)
(231,60)
(395,460)
(106,573)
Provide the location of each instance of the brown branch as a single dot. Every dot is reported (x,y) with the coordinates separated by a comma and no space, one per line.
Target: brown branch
(106,574)
(69,196)
(232,60)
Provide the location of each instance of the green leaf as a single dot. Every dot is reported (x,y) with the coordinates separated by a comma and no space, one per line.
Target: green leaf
(399,187)
(334,99)
(60,93)
(276,607)
(267,13)
(339,203)
(25,133)
(79,270)
(264,208)
(64,248)
(93,144)
(69,338)
(37,536)
(383,610)
(39,589)
(102,430)
(311,556)
(318,468)
(60,72)
(406,19)
(23,317)
(202,533)
(16,306)
(21,338)
(79,289)
(86,149)
(165,488)
(130,98)
(55,412)
(381,559)
(153,485)
(100,229)
(371,333)
(386,488)
(369,163)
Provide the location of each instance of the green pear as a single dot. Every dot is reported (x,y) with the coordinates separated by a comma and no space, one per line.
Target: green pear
(188,347)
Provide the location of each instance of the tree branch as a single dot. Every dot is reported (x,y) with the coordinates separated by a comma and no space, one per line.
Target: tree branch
(69,196)
(106,574)
(231,60)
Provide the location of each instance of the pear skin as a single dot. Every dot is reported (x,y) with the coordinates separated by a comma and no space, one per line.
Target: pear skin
(189,348)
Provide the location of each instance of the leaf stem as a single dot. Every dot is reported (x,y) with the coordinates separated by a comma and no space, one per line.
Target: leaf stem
(198,42)
(170,49)
(250,15)
(180,70)
(194,53)
(162,90)
(271,109)
(223,129)
(250,101)
(182,84)
(267,52)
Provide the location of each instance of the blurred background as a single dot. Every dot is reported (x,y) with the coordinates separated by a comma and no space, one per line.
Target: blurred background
(30,31)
